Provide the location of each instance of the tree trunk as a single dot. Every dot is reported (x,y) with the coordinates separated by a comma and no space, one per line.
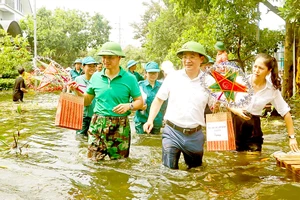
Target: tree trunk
(297,41)
(287,90)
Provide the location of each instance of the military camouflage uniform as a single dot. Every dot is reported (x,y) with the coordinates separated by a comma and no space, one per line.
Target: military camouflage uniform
(108,136)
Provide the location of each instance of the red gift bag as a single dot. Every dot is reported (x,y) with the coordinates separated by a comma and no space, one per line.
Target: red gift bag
(219,132)
(69,112)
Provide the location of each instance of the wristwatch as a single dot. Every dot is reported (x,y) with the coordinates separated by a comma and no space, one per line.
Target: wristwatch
(292,136)
(131,106)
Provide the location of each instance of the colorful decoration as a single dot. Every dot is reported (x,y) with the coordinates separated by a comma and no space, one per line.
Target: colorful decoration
(52,76)
(227,83)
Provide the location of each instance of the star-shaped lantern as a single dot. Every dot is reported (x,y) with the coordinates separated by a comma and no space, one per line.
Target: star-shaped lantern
(226,84)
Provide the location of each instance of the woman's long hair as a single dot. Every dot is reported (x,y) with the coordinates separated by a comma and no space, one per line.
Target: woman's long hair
(271,63)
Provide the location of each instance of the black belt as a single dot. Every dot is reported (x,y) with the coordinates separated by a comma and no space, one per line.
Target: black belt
(184,130)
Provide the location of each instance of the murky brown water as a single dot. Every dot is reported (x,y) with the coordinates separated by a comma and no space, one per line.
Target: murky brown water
(54,166)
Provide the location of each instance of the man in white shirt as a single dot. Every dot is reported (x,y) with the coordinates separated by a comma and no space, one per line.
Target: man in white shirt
(187,99)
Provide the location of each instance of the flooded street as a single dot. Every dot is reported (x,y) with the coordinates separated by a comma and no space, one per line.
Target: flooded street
(55,166)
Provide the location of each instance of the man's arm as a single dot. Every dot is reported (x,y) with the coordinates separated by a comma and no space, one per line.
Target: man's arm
(136,104)
(23,86)
(154,109)
(88,98)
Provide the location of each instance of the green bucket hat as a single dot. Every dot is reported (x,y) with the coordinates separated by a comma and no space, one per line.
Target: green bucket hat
(219,46)
(78,60)
(193,46)
(152,67)
(111,49)
(88,60)
(131,63)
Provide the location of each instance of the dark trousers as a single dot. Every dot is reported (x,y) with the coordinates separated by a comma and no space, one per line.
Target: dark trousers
(85,126)
(248,133)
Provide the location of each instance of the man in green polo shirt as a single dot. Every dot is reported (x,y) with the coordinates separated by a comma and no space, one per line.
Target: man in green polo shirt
(109,132)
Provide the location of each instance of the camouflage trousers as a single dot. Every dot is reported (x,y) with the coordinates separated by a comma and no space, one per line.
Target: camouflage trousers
(108,136)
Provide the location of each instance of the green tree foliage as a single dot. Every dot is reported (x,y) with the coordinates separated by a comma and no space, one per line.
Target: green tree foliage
(64,35)
(166,30)
(135,53)
(290,12)
(151,14)
(14,52)
(193,29)
(160,28)
(235,23)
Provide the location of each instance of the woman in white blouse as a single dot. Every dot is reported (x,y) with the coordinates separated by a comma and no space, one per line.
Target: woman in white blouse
(249,136)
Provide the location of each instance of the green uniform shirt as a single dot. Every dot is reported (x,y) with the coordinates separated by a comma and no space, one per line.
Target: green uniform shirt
(88,110)
(137,76)
(142,116)
(110,93)
(74,73)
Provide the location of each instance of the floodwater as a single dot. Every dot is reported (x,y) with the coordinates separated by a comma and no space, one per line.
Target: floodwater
(52,163)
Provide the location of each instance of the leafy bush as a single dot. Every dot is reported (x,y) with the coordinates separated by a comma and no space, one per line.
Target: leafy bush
(14,53)
(6,84)
(10,74)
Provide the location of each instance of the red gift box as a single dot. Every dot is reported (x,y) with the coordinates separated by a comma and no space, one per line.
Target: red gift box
(69,112)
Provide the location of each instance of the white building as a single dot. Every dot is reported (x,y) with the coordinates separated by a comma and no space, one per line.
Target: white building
(11,11)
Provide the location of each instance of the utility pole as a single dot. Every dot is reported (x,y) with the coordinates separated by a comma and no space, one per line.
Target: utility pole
(34,34)
(120,30)
(258,19)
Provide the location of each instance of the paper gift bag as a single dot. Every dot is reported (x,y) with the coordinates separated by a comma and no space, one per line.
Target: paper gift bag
(69,112)
(220,132)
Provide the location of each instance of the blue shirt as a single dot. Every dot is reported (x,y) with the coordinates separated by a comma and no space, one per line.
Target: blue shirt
(74,73)
(88,110)
(110,93)
(142,116)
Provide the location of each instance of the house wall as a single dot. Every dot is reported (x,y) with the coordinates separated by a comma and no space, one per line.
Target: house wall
(14,9)
(11,11)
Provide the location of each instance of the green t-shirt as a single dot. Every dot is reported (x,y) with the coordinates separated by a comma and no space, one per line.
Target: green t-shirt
(110,93)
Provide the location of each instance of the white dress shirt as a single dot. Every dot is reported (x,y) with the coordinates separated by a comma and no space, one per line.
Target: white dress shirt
(267,95)
(187,99)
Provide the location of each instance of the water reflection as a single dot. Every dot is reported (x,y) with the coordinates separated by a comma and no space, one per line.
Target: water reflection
(54,166)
